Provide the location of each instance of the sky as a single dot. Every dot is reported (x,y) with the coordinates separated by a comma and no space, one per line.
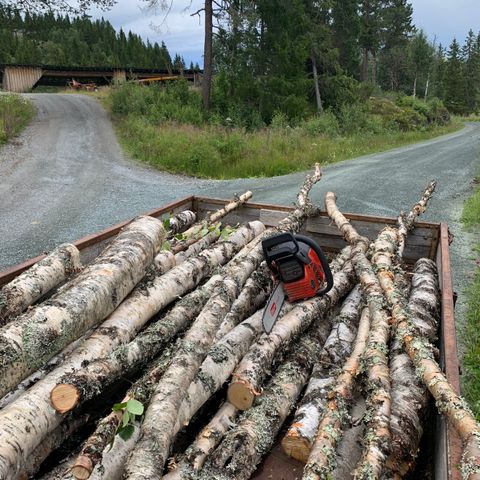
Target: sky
(183,34)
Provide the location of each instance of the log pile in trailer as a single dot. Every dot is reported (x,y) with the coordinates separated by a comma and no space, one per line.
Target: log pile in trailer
(151,361)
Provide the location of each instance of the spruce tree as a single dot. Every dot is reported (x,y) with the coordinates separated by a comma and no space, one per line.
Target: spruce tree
(471,59)
(346,28)
(455,84)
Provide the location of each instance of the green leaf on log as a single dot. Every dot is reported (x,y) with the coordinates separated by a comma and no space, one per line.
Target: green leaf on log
(126,432)
(135,407)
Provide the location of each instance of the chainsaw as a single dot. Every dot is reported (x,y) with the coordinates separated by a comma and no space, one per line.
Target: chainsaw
(300,270)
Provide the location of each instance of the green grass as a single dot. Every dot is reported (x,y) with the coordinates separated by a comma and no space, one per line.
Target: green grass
(471,362)
(15,113)
(220,152)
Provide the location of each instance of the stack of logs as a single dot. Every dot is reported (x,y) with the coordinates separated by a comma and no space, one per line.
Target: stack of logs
(176,307)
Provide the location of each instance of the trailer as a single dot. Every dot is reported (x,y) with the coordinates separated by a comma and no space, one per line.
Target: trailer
(428,239)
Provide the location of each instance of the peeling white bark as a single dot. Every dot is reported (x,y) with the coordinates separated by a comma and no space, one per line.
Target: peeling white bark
(31,417)
(32,339)
(38,280)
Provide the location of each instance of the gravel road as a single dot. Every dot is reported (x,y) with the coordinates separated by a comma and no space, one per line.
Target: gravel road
(66,177)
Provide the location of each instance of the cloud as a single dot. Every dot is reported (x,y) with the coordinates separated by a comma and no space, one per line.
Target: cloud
(446,19)
(182,33)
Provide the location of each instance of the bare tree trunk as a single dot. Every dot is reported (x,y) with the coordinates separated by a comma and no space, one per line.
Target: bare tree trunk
(414,93)
(318,98)
(32,339)
(365,76)
(374,68)
(208,55)
(39,279)
(427,87)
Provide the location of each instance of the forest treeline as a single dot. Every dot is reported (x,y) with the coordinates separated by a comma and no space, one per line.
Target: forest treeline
(294,57)
(270,54)
(52,39)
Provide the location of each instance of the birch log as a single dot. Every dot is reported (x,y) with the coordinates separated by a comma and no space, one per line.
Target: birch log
(205,442)
(52,442)
(409,395)
(321,460)
(75,388)
(251,298)
(448,402)
(243,447)
(41,373)
(178,222)
(167,259)
(30,341)
(299,438)
(254,367)
(38,280)
(95,447)
(157,431)
(30,418)
(220,213)
(406,222)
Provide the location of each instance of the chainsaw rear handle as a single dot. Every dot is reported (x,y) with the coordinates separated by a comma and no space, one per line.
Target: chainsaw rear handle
(323,260)
(289,247)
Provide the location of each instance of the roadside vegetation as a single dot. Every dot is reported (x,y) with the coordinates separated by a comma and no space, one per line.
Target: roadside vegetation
(168,128)
(15,113)
(471,361)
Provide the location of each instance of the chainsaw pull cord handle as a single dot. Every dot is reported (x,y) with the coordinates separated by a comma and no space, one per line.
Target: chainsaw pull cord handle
(323,260)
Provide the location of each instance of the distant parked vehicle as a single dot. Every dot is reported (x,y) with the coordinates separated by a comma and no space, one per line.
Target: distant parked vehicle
(90,87)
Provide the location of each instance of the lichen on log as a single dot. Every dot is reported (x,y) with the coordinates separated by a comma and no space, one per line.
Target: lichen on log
(299,438)
(321,461)
(38,280)
(254,367)
(32,339)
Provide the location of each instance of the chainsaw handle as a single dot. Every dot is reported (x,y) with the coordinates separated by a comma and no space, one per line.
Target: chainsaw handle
(323,260)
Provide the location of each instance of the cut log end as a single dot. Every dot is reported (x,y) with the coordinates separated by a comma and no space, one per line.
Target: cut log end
(296,447)
(64,397)
(82,469)
(240,395)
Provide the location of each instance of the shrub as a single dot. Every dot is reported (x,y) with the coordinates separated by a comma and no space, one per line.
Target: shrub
(324,124)
(175,101)
(15,113)
(356,119)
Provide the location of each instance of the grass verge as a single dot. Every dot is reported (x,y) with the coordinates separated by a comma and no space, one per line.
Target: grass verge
(15,113)
(220,152)
(471,362)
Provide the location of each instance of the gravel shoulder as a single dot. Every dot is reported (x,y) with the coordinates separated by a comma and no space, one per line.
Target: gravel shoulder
(66,177)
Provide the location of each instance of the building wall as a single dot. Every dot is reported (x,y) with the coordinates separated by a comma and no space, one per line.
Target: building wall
(21,79)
